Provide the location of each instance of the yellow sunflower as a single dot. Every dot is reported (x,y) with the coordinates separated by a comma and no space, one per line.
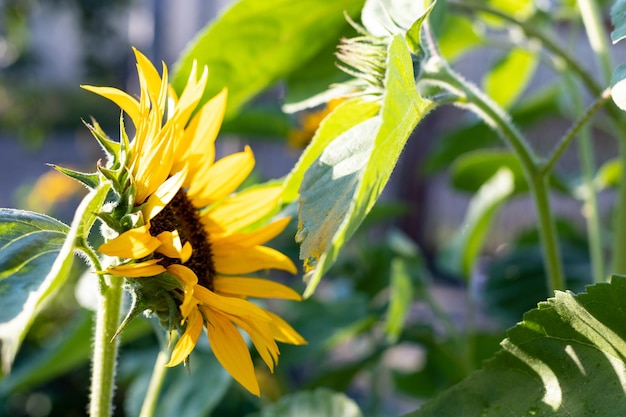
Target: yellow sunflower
(188,225)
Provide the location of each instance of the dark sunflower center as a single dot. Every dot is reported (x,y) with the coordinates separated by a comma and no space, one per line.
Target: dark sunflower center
(181,215)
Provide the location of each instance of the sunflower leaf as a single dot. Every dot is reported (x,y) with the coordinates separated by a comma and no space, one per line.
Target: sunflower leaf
(35,260)
(256,43)
(344,117)
(555,362)
(343,184)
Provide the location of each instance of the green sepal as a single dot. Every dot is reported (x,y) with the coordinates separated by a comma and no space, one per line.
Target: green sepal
(111,222)
(157,295)
(414,34)
(110,147)
(91,180)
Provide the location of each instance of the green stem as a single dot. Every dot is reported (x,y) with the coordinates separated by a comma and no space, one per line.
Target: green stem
(436,72)
(105,347)
(156,382)
(532,31)
(590,205)
(574,130)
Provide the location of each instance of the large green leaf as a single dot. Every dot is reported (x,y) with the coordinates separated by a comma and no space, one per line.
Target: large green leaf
(566,358)
(36,256)
(318,403)
(467,242)
(344,117)
(256,43)
(341,187)
(506,81)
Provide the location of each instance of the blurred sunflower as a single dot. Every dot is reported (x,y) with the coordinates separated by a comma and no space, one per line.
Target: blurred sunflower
(182,236)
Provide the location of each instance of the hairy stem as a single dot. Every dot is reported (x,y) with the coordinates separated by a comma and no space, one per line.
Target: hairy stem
(104,359)
(437,73)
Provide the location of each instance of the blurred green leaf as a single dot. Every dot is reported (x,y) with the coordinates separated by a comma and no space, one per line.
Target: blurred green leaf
(256,43)
(467,242)
(339,190)
(618,19)
(187,391)
(458,36)
(516,280)
(343,118)
(609,174)
(35,260)
(553,363)
(318,403)
(400,298)
(471,170)
(508,79)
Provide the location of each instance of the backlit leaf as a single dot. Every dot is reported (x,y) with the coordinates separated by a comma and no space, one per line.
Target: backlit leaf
(256,43)
(36,255)
(553,363)
(341,187)
(510,76)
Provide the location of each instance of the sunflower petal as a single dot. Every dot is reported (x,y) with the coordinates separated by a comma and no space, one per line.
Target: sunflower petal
(134,244)
(246,260)
(230,306)
(241,210)
(262,340)
(188,340)
(163,195)
(137,270)
(231,350)
(258,237)
(283,332)
(253,287)
(222,178)
(124,100)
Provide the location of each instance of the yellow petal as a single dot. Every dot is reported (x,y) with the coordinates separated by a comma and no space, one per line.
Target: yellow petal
(124,100)
(241,210)
(188,340)
(254,287)
(163,195)
(230,306)
(258,237)
(231,350)
(184,274)
(262,340)
(222,178)
(134,244)
(197,144)
(283,332)
(246,260)
(149,74)
(172,247)
(152,167)
(191,95)
(137,270)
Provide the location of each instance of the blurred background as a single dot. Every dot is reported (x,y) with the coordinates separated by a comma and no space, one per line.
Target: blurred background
(49,48)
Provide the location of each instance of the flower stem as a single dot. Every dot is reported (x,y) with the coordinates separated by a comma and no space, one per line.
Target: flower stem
(156,382)
(574,130)
(105,347)
(437,72)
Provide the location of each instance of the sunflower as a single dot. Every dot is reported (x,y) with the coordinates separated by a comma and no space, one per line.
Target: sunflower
(182,236)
